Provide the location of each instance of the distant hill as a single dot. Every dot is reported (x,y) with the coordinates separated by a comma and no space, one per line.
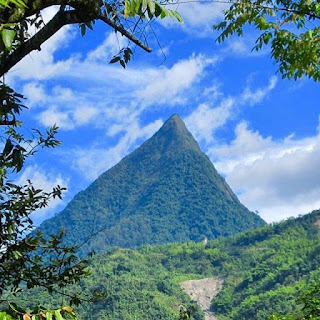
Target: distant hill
(263,272)
(165,191)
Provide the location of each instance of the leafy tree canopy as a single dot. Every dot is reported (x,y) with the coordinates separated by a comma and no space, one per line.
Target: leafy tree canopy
(309,300)
(29,260)
(16,18)
(291,27)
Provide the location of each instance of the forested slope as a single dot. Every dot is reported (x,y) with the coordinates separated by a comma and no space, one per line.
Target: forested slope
(263,270)
(165,191)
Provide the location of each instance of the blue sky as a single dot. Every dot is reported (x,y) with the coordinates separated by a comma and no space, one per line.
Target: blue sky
(261,132)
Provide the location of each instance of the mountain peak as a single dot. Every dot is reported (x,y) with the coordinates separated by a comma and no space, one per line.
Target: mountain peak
(167,190)
(176,119)
(175,122)
(174,133)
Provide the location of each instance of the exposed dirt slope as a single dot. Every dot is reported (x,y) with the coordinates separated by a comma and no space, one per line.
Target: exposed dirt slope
(203,291)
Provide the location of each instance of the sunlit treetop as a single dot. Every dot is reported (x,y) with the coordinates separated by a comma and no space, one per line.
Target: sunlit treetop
(291,28)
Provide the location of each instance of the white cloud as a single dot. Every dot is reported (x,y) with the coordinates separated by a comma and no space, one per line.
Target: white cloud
(61,106)
(204,121)
(62,94)
(110,47)
(84,115)
(39,65)
(52,116)
(238,47)
(246,141)
(256,96)
(207,118)
(163,52)
(198,18)
(44,181)
(166,86)
(69,118)
(35,93)
(241,47)
(70,107)
(277,178)
(200,15)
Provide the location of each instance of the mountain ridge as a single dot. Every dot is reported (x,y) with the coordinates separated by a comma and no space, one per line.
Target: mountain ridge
(167,190)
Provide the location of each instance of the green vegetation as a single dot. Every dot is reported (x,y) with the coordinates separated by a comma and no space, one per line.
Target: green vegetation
(28,261)
(270,266)
(165,191)
(290,27)
(128,285)
(264,271)
(308,305)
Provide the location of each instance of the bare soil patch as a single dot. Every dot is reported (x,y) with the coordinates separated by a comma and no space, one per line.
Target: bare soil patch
(203,291)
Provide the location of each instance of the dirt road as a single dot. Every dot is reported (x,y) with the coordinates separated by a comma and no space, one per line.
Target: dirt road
(203,291)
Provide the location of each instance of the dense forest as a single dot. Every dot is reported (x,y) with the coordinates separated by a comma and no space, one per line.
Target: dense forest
(165,191)
(263,270)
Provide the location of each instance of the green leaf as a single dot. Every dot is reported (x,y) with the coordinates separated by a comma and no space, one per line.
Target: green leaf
(171,15)
(178,16)
(164,13)
(115,59)
(158,9)
(58,315)
(127,55)
(4,3)
(18,3)
(8,147)
(137,5)
(83,29)
(89,25)
(67,309)
(17,254)
(151,6)
(126,10)
(8,37)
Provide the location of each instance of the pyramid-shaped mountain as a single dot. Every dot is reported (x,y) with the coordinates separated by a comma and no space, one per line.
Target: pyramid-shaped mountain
(167,190)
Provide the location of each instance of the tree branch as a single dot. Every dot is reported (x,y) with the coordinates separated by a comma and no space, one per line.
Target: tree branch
(61,19)
(16,15)
(34,43)
(124,32)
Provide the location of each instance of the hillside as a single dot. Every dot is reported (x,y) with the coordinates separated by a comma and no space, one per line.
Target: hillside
(263,272)
(165,191)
